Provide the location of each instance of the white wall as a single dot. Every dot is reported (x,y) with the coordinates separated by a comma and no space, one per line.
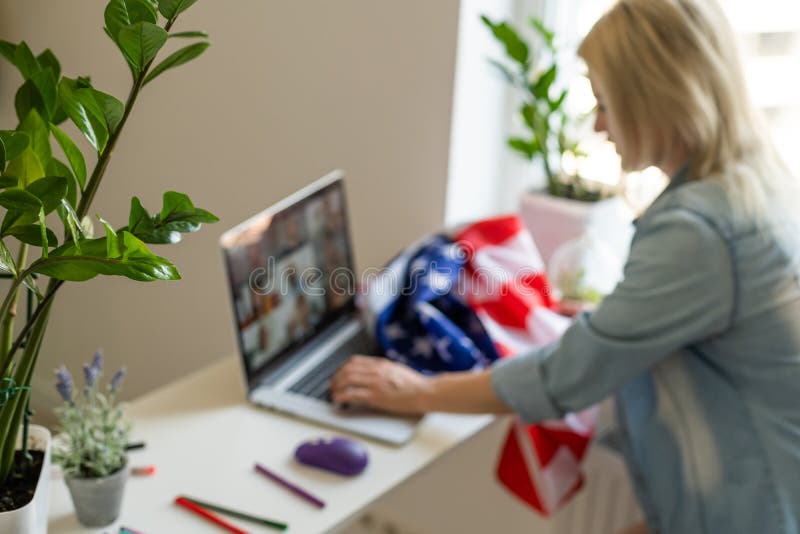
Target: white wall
(485,176)
(288,91)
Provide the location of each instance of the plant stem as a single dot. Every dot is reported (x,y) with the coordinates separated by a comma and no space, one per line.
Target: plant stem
(10,315)
(52,287)
(5,311)
(12,412)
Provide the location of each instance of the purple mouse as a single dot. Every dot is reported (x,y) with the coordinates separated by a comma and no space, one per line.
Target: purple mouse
(339,455)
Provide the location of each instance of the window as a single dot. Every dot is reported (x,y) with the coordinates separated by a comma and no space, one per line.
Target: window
(770,43)
(486,177)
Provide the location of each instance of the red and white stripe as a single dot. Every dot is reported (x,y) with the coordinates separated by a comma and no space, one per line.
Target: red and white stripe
(507,287)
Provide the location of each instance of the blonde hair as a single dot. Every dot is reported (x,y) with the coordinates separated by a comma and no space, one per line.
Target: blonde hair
(673,82)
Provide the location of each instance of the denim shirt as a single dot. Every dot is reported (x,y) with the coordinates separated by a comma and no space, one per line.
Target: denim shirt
(700,341)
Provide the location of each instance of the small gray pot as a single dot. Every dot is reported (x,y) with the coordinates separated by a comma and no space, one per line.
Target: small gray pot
(98,501)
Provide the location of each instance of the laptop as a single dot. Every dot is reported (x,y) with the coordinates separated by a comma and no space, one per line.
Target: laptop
(293,287)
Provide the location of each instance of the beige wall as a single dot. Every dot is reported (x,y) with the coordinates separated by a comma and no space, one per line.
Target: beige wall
(289,90)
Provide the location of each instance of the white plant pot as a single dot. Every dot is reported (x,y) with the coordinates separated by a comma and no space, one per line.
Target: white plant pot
(552,221)
(32,518)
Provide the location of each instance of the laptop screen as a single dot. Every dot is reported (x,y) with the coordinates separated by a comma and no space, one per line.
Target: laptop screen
(291,273)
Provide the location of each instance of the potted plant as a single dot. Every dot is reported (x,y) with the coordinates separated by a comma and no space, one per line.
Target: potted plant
(40,192)
(570,202)
(91,451)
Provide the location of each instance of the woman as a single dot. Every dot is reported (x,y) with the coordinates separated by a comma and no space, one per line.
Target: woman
(701,340)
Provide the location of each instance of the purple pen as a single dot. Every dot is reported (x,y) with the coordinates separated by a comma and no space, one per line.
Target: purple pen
(288,485)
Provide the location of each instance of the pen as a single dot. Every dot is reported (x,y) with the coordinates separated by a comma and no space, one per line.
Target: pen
(143,471)
(180,501)
(239,515)
(288,485)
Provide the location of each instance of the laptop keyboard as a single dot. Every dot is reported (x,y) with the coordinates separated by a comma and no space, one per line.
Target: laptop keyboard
(316,383)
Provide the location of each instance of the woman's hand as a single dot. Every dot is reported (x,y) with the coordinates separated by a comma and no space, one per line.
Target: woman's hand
(380,383)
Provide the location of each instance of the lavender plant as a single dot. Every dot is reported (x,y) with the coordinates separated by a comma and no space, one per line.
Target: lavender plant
(92,421)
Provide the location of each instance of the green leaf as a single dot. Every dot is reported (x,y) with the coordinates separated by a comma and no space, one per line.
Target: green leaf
(30,283)
(188,35)
(172,8)
(528,113)
(50,190)
(7,260)
(112,242)
(140,42)
(159,236)
(178,206)
(116,17)
(28,98)
(121,13)
(112,108)
(179,214)
(45,83)
(25,60)
(142,226)
(141,11)
(184,55)
(523,146)
(59,115)
(547,35)
(136,261)
(71,221)
(56,167)
(174,203)
(504,71)
(8,51)
(15,218)
(39,134)
(556,104)
(26,167)
(48,60)
(139,219)
(8,181)
(2,155)
(32,234)
(542,86)
(515,47)
(73,153)
(18,199)
(81,107)
(15,143)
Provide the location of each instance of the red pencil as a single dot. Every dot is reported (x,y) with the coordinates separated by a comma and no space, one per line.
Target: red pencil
(208,515)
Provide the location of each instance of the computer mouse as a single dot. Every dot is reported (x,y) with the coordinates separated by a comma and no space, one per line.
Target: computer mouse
(338,455)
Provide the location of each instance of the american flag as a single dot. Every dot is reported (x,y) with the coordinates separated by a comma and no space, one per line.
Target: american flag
(459,301)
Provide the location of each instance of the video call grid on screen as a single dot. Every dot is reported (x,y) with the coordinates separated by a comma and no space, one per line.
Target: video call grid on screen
(288,281)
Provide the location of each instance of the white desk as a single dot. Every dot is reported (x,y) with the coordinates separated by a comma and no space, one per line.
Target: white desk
(204,437)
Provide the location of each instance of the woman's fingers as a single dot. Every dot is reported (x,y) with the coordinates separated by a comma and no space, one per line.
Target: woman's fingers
(355,365)
(353,394)
(350,378)
(378,383)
